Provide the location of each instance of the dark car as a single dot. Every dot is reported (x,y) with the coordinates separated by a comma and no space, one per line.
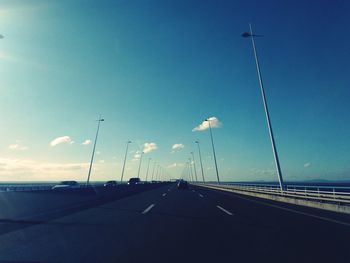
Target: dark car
(134,181)
(110,184)
(182,185)
(66,185)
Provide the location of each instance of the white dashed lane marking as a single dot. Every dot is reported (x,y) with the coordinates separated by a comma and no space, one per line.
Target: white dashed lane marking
(224,210)
(148,209)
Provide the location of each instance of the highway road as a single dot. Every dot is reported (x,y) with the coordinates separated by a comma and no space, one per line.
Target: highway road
(170,225)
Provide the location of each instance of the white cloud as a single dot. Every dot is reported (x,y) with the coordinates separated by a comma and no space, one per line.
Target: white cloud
(86,142)
(137,156)
(307,165)
(174,165)
(17,147)
(149,147)
(177,147)
(60,140)
(214,122)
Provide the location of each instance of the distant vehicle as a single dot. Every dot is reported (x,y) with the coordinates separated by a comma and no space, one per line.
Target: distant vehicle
(66,185)
(134,181)
(110,184)
(182,184)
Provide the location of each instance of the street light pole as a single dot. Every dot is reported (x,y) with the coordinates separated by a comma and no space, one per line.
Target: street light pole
(200,159)
(138,173)
(126,153)
(157,172)
(212,144)
(194,166)
(269,125)
(189,175)
(190,166)
(93,150)
(154,167)
(149,161)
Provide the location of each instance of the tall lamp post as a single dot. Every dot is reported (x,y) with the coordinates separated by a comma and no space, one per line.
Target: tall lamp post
(138,173)
(93,150)
(269,125)
(194,166)
(200,159)
(149,161)
(212,144)
(154,167)
(126,154)
(157,172)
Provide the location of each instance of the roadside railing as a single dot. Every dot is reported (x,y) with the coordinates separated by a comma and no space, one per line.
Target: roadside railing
(324,194)
(25,187)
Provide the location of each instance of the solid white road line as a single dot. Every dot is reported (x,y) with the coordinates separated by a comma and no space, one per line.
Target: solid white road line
(164,194)
(193,191)
(224,210)
(200,195)
(148,209)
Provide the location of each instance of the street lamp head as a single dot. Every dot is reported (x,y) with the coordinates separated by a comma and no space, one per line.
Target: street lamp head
(102,119)
(196,141)
(129,141)
(246,34)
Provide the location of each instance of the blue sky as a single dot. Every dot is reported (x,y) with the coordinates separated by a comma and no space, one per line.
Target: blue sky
(157,69)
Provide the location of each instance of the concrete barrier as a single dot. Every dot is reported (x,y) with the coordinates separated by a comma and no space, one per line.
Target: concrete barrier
(295,201)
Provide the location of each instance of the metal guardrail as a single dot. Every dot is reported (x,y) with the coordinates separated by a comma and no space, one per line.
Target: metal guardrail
(339,195)
(21,188)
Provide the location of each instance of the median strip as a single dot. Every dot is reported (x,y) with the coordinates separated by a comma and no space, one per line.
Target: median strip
(224,210)
(148,209)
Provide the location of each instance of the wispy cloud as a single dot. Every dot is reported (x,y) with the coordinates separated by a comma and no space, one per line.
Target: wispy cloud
(263,173)
(16,59)
(174,165)
(61,140)
(214,122)
(86,142)
(137,156)
(307,165)
(17,146)
(149,147)
(177,147)
(29,170)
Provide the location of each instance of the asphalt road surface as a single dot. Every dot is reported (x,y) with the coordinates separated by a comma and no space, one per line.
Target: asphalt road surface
(170,225)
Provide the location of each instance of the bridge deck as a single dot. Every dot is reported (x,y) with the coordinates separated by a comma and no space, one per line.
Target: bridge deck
(170,225)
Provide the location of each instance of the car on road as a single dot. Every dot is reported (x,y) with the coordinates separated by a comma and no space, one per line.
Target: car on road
(134,181)
(66,185)
(110,184)
(182,184)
